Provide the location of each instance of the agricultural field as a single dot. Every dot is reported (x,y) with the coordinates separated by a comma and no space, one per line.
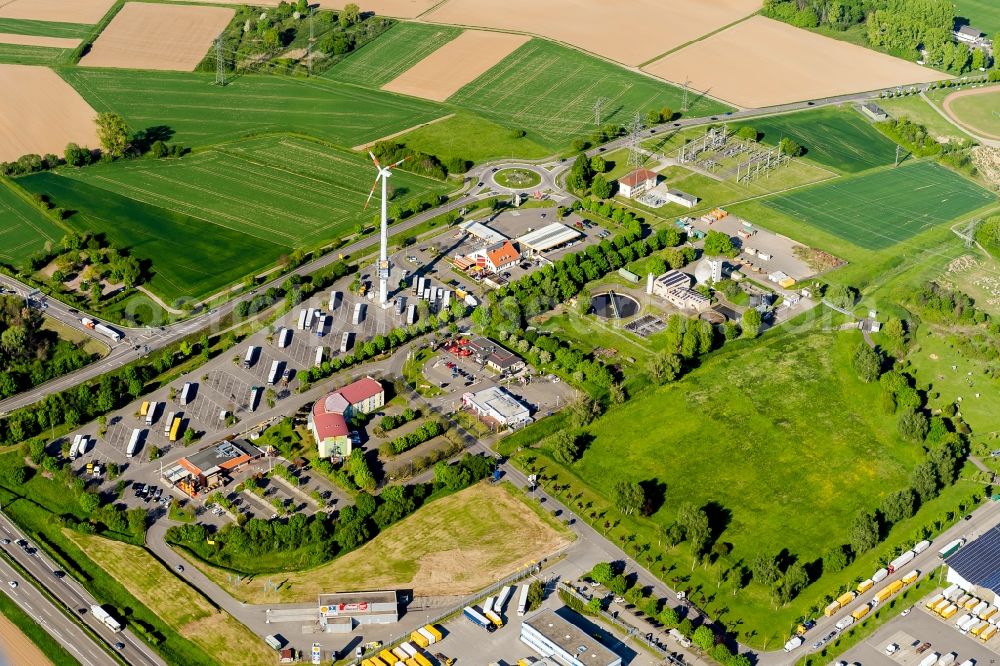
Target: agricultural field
(978,110)
(218,214)
(62,11)
(838,138)
(453,546)
(196,112)
(24,229)
(391,54)
(175,602)
(25,54)
(920,111)
(471,137)
(550,90)
(982,14)
(880,209)
(45,28)
(714,439)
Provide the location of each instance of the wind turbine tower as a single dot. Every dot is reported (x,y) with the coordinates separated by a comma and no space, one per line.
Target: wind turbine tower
(383,258)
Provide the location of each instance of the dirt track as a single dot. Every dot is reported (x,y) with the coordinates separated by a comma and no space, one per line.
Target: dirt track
(17,648)
(947,105)
(63,11)
(462,60)
(44,115)
(629,31)
(37,40)
(761,62)
(155,36)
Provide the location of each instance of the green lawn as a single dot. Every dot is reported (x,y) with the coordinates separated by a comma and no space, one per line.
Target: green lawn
(472,137)
(917,109)
(881,209)
(199,113)
(982,14)
(550,90)
(45,28)
(980,112)
(19,54)
(391,54)
(839,138)
(24,229)
(208,219)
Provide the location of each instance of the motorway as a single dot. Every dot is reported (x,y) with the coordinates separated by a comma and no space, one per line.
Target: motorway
(72,595)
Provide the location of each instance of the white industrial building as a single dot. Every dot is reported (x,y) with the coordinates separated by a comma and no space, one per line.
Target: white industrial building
(555,638)
(547,238)
(976,567)
(681,198)
(341,612)
(637,182)
(675,288)
(497,405)
(483,232)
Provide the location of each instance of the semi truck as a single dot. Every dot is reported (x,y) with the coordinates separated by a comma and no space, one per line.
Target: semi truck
(921,547)
(345,342)
(880,575)
(105,618)
(845,622)
(865,585)
(477,618)
(502,597)
(284,337)
(84,445)
(334,300)
(494,617)
(950,549)
(310,317)
(933,601)
(274,372)
(154,409)
(323,325)
(74,449)
(400,305)
(898,563)
(426,633)
(166,424)
(175,428)
(302,319)
(911,577)
(318,361)
(254,398)
(522,602)
(889,590)
(793,642)
(411,313)
(832,609)
(108,332)
(186,393)
(846,598)
(144,409)
(359,313)
(860,612)
(420,287)
(133,443)
(250,357)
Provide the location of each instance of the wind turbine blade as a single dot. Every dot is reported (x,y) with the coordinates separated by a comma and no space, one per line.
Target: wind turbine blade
(399,162)
(375,159)
(370,194)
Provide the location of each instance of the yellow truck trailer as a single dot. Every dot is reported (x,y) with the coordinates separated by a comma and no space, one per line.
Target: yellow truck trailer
(865,585)
(175,429)
(934,601)
(388,657)
(889,590)
(831,610)
(434,631)
(845,598)
(949,611)
(419,639)
(988,633)
(860,612)
(971,603)
(375,661)
(910,577)
(412,662)
(979,628)
(988,613)
(144,409)
(421,659)
(940,606)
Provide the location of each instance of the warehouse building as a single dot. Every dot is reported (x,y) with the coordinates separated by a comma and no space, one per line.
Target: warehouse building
(553,637)
(330,414)
(482,232)
(342,612)
(211,467)
(547,238)
(497,406)
(976,567)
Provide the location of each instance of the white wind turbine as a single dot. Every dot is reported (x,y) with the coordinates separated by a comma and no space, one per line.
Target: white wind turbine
(383,258)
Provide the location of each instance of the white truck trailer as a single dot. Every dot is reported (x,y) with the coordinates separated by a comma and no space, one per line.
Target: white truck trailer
(133,443)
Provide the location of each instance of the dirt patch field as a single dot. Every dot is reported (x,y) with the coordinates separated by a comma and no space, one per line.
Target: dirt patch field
(154,36)
(62,11)
(761,62)
(462,60)
(976,110)
(44,115)
(629,31)
(16,648)
(452,546)
(38,40)
(395,8)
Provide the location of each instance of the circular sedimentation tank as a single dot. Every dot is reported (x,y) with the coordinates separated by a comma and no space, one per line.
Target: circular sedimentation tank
(611,305)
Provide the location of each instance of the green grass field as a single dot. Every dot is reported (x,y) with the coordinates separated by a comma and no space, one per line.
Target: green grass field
(980,112)
(201,113)
(45,28)
(917,109)
(881,209)
(206,220)
(982,14)
(549,91)
(24,229)
(472,137)
(394,52)
(838,138)
(19,54)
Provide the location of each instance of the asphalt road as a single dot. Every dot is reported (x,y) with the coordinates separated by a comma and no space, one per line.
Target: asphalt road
(73,597)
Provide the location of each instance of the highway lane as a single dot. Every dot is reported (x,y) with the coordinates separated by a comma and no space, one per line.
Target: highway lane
(74,597)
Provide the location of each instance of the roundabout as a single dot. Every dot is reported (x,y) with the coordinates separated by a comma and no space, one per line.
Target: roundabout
(517,178)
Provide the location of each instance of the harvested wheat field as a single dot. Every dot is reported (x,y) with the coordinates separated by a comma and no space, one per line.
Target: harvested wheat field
(395,8)
(453,546)
(462,60)
(62,11)
(16,648)
(44,115)
(39,40)
(629,31)
(761,62)
(154,36)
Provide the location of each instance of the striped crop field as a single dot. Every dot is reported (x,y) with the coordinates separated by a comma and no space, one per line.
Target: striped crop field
(394,52)
(24,229)
(199,113)
(45,28)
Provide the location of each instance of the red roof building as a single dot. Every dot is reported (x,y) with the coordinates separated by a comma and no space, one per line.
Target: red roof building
(330,414)
(637,182)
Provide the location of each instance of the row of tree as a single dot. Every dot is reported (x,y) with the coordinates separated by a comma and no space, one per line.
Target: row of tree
(427,431)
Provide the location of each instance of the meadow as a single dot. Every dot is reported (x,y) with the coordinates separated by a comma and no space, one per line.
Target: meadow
(472,137)
(883,208)
(549,91)
(453,546)
(838,138)
(24,229)
(982,14)
(978,110)
(45,28)
(207,219)
(394,52)
(19,54)
(192,110)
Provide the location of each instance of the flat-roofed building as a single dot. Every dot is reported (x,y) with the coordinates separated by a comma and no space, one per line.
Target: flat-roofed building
(555,638)
(496,405)
(681,198)
(209,467)
(482,232)
(547,238)
(340,612)
(675,288)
